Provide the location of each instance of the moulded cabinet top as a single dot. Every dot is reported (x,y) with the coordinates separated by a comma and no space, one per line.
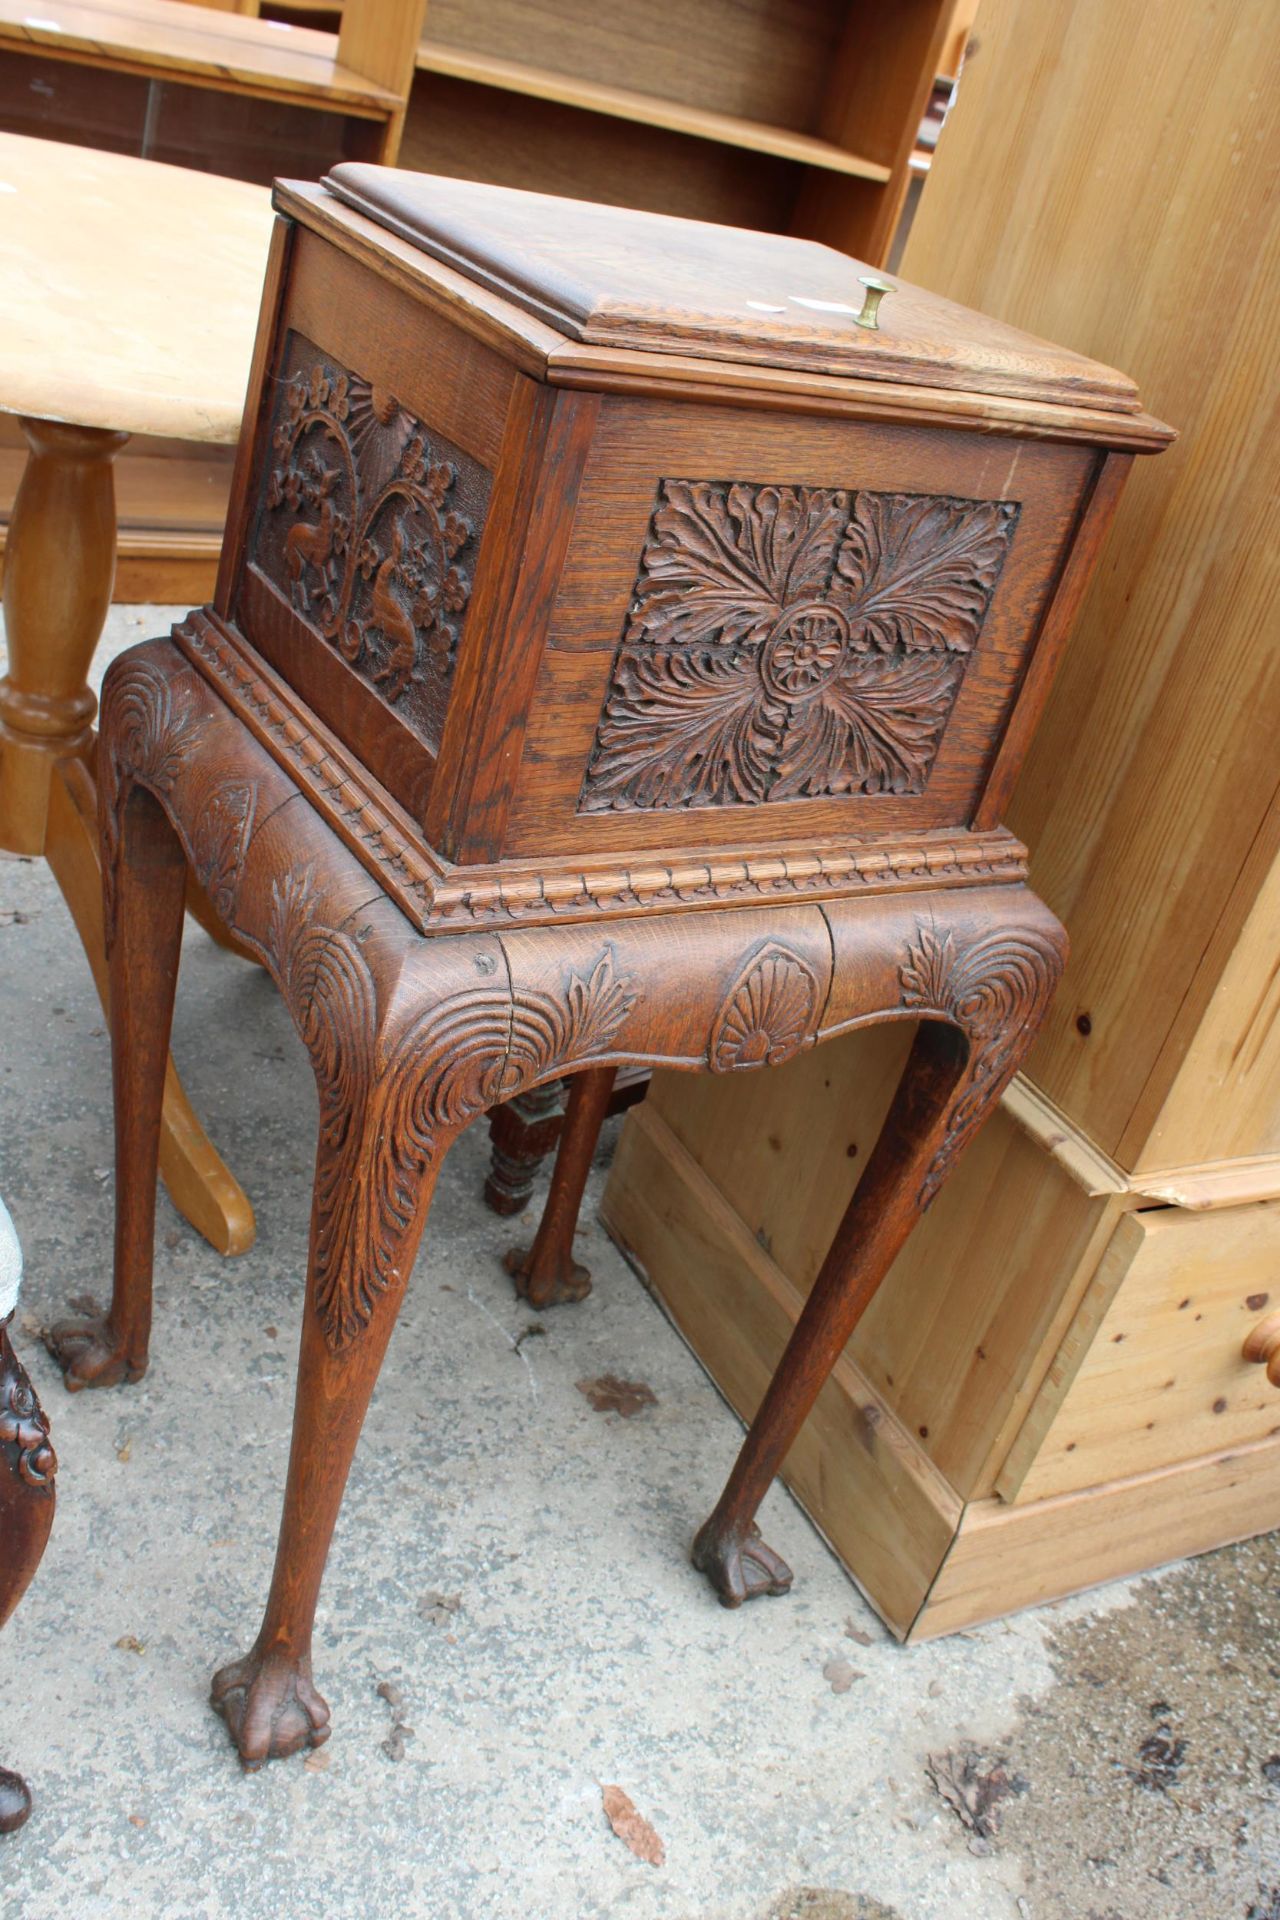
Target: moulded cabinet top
(614,278)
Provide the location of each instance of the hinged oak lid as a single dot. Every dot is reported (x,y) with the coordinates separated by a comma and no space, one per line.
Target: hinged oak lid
(612,277)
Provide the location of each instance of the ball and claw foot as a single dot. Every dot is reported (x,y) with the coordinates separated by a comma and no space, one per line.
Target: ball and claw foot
(270,1706)
(740,1568)
(15,1801)
(90,1353)
(559,1281)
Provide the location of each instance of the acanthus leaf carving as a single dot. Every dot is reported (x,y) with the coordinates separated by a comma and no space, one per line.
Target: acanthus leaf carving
(220,843)
(993,988)
(410,1089)
(792,642)
(920,570)
(150,732)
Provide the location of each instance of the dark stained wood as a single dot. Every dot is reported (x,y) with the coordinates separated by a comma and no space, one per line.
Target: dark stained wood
(483,742)
(618,278)
(730,691)
(523,1131)
(546,1273)
(27,1469)
(642,446)
(1097,510)
(145,887)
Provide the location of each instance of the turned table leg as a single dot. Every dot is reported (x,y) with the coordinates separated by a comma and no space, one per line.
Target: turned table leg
(27,1469)
(59,567)
(522,1132)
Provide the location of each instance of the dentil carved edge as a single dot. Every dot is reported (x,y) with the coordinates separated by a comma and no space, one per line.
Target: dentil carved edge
(437,897)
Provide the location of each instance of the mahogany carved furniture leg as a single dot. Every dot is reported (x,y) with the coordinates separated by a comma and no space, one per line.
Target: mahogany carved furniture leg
(59,566)
(27,1469)
(145,894)
(993,994)
(412,1038)
(546,1273)
(268,1699)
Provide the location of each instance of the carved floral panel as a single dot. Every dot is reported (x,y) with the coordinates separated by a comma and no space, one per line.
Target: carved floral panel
(792,642)
(369,523)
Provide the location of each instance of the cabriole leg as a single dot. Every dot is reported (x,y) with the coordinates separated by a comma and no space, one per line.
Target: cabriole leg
(268,1699)
(376,1163)
(147,881)
(546,1273)
(946,1090)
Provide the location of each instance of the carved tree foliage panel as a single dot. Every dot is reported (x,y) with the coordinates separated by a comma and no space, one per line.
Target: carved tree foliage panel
(786,643)
(369,523)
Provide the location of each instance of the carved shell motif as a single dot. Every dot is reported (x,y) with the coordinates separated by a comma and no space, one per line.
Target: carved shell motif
(769,1013)
(788,643)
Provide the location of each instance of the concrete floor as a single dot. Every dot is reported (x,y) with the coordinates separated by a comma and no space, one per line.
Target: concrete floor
(1136,1729)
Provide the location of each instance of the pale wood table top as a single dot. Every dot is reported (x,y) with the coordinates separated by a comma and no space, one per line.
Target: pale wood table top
(268,58)
(129,291)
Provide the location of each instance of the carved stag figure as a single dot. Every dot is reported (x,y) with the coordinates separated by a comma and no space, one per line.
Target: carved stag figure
(389,617)
(313,543)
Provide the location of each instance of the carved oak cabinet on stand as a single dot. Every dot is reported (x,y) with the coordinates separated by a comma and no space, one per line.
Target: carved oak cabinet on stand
(622,652)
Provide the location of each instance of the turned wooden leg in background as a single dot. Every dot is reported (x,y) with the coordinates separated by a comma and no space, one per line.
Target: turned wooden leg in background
(947,1087)
(522,1132)
(27,1469)
(148,881)
(59,567)
(546,1272)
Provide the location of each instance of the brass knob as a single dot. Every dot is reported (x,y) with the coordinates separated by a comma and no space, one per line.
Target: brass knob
(876,291)
(1263,1346)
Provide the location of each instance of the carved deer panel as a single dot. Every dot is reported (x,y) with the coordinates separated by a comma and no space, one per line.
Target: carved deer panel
(368,523)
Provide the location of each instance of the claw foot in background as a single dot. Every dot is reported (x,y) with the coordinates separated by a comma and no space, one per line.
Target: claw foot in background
(547,1282)
(739,1567)
(270,1706)
(90,1352)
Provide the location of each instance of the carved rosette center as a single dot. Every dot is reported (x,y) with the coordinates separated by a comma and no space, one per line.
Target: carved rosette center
(805,650)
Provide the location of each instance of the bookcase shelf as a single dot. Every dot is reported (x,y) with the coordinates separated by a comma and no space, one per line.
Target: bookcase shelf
(649,110)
